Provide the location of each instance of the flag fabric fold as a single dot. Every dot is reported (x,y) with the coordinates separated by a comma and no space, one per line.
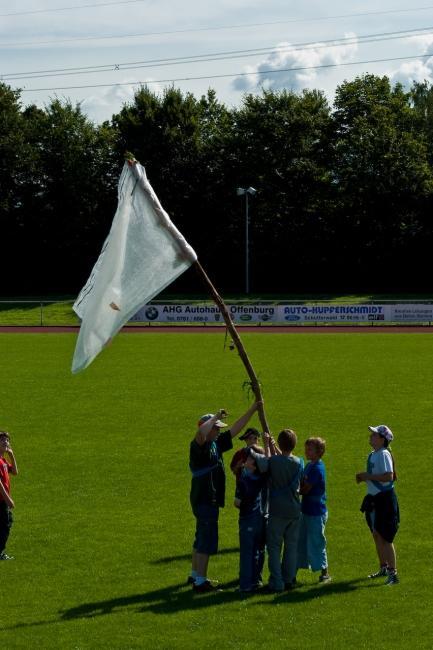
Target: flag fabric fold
(143,253)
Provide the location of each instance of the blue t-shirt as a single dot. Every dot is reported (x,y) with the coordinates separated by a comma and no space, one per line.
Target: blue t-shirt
(314,503)
(251,490)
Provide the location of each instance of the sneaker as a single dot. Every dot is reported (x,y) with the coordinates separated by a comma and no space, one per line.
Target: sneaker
(289,586)
(325,578)
(206,587)
(191,581)
(392,578)
(382,573)
(3,556)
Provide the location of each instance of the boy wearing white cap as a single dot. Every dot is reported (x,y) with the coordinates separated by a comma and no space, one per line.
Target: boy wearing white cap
(380,504)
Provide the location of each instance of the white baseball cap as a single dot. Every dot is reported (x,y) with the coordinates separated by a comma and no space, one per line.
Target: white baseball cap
(208,416)
(383,431)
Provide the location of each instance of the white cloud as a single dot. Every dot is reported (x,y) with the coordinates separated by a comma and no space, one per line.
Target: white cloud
(418,70)
(289,61)
(101,105)
(424,42)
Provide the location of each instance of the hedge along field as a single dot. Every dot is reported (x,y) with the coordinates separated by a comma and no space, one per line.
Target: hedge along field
(103,528)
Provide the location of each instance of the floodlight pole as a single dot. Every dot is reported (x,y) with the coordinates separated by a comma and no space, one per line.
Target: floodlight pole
(247,192)
(247,247)
(255,386)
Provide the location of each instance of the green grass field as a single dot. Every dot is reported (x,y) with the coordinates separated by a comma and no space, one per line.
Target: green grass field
(103,528)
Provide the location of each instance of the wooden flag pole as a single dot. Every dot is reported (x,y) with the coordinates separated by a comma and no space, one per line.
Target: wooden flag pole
(188,253)
(238,343)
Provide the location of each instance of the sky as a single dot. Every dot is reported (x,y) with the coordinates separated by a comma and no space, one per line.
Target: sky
(97,52)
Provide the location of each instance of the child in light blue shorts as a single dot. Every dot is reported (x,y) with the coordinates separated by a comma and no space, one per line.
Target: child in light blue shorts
(312,541)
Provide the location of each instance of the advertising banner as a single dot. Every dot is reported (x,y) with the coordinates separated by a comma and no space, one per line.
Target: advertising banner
(206,313)
(286,314)
(331,313)
(405,313)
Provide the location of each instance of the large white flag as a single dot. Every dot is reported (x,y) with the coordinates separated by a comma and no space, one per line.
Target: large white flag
(143,253)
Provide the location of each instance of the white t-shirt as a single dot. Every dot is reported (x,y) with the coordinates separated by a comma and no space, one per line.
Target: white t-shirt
(380,462)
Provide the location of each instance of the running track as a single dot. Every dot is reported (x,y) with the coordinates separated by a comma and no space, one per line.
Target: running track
(256,329)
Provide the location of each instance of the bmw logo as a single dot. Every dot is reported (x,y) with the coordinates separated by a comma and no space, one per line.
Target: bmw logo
(151,313)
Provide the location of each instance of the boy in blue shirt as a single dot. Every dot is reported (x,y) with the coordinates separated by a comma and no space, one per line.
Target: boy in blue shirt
(250,498)
(312,540)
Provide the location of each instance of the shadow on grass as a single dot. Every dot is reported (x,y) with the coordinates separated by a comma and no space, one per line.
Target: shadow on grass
(168,600)
(310,592)
(176,598)
(187,556)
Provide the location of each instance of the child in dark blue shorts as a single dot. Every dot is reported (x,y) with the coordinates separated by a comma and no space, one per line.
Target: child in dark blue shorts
(380,505)
(250,498)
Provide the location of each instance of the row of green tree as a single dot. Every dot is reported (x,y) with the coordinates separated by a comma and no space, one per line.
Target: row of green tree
(344,192)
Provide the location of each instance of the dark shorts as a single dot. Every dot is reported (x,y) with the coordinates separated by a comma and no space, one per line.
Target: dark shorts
(6,520)
(206,531)
(382,514)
